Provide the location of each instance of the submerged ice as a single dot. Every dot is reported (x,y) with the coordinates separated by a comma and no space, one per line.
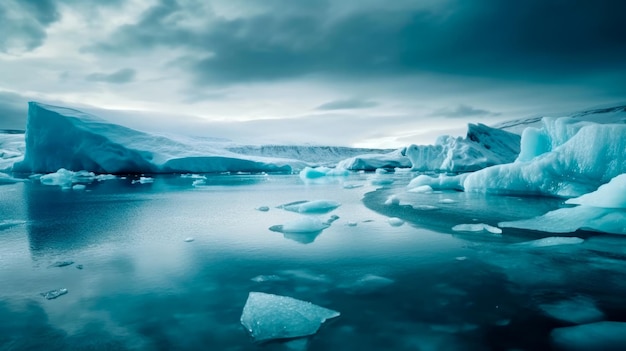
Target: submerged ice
(268,317)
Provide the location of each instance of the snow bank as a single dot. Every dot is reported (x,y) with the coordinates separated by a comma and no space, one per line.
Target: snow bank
(371,162)
(482,147)
(58,137)
(564,158)
(269,317)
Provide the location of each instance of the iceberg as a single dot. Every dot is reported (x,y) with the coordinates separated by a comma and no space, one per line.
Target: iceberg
(573,158)
(59,137)
(269,317)
(482,147)
(53,294)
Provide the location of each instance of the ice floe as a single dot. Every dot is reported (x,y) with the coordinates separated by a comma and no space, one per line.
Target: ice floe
(269,317)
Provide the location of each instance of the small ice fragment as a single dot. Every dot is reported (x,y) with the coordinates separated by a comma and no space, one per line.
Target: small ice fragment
(352,186)
(447,201)
(189,239)
(269,317)
(53,294)
(79,266)
(198,182)
(461,258)
(61,263)
(79,187)
(553,241)
(263,208)
(607,336)
(422,189)
(392,200)
(192,176)
(351,224)
(143,180)
(476,227)
(317,206)
(395,221)
(425,207)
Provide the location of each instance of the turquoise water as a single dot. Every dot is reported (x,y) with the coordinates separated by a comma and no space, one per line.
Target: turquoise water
(142,286)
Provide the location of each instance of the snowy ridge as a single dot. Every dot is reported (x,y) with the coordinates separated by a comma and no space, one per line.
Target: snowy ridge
(482,147)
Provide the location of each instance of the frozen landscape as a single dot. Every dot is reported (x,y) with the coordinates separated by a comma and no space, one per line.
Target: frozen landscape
(509,238)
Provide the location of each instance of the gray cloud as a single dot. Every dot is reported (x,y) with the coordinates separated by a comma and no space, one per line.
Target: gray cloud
(526,40)
(125,75)
(13,111)
(23,23)
(462,110)
(347,104)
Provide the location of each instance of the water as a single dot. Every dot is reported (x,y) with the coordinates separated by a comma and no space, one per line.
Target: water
(143,286)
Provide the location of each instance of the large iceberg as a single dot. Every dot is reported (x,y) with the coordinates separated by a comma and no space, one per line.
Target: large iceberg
(58,137)
(564,158)
(482,147)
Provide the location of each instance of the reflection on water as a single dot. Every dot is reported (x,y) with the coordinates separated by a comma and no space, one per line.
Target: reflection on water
(143,287)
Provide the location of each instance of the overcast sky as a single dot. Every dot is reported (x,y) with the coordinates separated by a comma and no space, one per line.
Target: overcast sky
(341,72)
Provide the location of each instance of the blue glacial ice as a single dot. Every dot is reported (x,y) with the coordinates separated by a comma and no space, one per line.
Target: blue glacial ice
(269,317)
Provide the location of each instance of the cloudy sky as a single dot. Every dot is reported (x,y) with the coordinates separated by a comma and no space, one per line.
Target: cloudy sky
(340,72)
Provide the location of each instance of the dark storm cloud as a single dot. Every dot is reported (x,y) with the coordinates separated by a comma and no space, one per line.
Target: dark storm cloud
(462,110)
(526,40)
(23,23)
(347,104)
(125,75)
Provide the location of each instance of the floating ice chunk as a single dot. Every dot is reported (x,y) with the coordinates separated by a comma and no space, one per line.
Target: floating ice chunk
(61,264)
(319,172)
(192,176)
(263,208)
(269,317)
(368,284)
(476,227)
(69,179)
(395,221)
(609,195)
(352,186)
(198,182)
(79,187)
(425,207)
(317,206)
(441,182)
(380,181)
(392,200)
(576,310)
(422,189)
(605,336)
(189,239)
(53,294)
(553,241)
(301,225)
(143,180)
(447,201)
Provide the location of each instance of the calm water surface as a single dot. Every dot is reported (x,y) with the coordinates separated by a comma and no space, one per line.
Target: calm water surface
(143,287)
